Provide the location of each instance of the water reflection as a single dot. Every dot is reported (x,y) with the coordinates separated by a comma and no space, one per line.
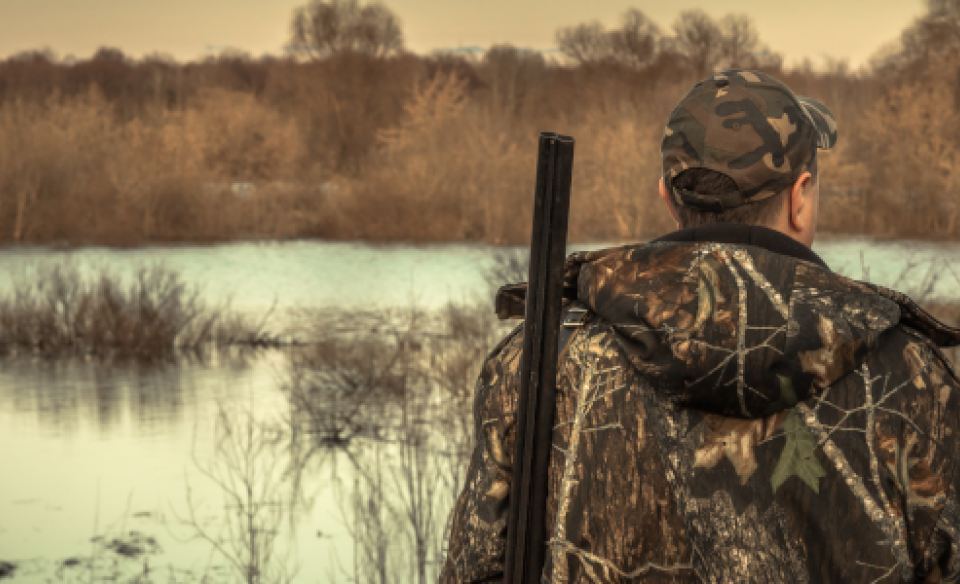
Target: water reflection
(65,394)
(337,460)
(96,455)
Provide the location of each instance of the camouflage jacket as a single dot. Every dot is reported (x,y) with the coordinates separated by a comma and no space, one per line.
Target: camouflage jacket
(727,413)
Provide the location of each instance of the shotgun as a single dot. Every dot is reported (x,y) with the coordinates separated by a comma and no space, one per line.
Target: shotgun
(526,525)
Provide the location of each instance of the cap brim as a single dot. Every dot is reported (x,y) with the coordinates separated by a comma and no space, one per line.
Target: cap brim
(823,121)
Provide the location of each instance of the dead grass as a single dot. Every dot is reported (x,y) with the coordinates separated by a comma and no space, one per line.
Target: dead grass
(72,173)
(414,149)
(458,169)
(58,311)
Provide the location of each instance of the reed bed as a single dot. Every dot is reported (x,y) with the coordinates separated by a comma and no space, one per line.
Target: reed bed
(61,311)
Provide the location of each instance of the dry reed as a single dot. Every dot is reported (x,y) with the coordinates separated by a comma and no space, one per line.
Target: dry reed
(411,148)
(254,469)
(393,391)
(59,311)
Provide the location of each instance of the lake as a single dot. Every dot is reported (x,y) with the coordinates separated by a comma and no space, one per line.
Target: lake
(97,459)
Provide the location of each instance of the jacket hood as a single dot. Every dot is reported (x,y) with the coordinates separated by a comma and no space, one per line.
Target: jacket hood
(735,330)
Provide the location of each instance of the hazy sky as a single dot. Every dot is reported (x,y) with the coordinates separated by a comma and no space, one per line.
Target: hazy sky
(187,29)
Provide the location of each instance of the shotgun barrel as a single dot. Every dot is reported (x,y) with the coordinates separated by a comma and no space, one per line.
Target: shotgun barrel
(526,527)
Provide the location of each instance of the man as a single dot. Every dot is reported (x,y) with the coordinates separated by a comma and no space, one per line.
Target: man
(729,409)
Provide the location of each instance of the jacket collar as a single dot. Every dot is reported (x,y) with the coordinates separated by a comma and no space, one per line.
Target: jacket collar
(742,234)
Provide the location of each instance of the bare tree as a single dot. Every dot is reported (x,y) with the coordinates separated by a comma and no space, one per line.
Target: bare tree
(636,42)
(740,43)
(938,30)
(584,43)
(633,44)
(699,44)
(109,54)
(934,34)
(328,27)
(700,40)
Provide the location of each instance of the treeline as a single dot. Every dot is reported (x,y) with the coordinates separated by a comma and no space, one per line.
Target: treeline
(349,136)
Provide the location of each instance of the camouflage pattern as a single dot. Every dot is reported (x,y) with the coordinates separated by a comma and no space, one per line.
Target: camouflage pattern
(728,414)
(748,126)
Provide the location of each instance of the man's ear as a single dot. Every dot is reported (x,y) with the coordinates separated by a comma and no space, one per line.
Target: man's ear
(668,202)
(799,202)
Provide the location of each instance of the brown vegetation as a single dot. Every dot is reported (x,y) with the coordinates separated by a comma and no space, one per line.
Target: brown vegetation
(256,471)
(393,392)
(57,311)
(364,141)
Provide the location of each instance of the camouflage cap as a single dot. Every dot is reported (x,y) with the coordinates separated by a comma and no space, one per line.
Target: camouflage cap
(749,126)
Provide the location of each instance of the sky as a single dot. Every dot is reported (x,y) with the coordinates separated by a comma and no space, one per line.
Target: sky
(851,30)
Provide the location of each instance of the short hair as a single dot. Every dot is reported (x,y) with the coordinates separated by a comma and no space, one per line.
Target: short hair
(711,182)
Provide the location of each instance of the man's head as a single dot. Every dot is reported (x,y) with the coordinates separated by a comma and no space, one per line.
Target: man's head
(740,147)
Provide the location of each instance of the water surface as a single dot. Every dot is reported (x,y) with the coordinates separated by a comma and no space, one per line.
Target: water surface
(89,450)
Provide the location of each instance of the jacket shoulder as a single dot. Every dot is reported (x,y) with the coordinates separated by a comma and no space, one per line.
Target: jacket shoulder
(906,398)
